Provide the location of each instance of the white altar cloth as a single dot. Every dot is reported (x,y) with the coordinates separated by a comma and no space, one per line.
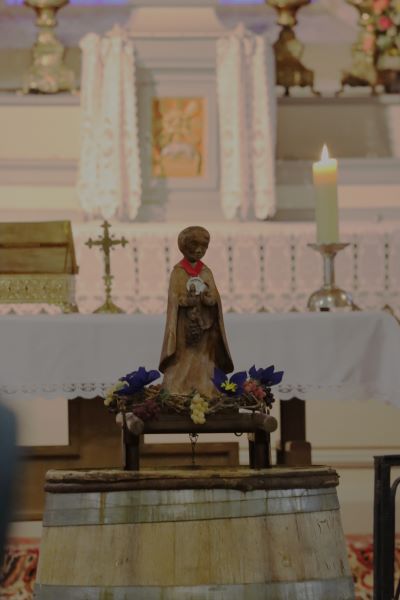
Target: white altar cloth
(325,356)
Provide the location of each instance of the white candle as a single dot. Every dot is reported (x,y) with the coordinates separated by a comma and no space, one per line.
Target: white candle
(326,199)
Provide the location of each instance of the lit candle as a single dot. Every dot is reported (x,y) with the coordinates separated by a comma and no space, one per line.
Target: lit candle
(326,199)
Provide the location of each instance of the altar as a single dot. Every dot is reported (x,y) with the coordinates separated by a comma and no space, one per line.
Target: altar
(325,356)
(331,359)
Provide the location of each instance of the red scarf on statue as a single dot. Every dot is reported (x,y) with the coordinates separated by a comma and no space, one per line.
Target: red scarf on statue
(193,271)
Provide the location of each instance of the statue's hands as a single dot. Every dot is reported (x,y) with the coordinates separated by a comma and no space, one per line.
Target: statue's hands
(187,300)
(207,298)
(191,301)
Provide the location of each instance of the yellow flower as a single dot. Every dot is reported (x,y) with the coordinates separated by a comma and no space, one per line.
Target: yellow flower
(229,386)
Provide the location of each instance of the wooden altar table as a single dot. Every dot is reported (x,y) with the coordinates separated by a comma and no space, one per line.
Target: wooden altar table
(325,356)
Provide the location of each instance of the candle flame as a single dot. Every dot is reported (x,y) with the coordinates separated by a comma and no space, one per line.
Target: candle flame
(325,153)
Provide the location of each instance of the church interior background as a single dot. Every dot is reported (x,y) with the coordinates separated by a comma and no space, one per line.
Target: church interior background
(172,117)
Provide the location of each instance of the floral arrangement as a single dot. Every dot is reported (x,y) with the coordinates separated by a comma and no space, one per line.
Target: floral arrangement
(135,395)
(386,23)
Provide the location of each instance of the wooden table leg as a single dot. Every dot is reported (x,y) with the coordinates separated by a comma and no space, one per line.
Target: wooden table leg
(131,451)
(261,450)
(250,437)
(293,449)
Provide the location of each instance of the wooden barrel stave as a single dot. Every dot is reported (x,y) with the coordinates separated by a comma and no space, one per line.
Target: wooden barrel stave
(335,589)
(191,552)
(194,544)
(185,505)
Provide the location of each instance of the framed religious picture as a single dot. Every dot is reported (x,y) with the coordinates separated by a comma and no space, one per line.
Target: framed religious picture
(179,125)
(178,137)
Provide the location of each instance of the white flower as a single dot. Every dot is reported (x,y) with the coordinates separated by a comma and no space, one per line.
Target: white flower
(111,391)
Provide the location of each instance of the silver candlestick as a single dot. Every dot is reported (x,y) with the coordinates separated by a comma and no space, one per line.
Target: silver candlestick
(329,296)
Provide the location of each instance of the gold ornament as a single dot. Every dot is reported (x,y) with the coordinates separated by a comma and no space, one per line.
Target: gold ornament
(106,244)
(37,264)
(363,71)
(290,71)
(47,73)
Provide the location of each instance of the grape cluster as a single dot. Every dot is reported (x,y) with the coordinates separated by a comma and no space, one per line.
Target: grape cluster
(269,398)
(146,411)
(198,408)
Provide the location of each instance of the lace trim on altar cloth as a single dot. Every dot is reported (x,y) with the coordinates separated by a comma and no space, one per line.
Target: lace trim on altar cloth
(341,392)
(54,390)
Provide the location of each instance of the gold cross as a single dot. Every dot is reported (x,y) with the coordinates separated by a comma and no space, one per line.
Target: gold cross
(107,243)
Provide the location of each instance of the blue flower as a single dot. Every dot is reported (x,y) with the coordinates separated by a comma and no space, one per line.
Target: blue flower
(135,381)
(232,386)
(266,376)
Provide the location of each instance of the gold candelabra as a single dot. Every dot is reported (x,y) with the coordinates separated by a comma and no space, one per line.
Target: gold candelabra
(47,73)
(290,71)
(363,71)
(329,296)
(106,244)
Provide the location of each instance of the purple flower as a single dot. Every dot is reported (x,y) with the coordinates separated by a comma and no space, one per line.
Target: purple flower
(230,386)
(136,381)
(267,377)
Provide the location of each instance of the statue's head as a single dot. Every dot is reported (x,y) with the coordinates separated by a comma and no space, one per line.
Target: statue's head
(193,242)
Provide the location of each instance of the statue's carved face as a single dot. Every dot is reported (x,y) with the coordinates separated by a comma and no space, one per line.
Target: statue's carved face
(195,246)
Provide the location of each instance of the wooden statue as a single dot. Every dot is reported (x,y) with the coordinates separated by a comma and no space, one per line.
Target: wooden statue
(194,340)
(196,395)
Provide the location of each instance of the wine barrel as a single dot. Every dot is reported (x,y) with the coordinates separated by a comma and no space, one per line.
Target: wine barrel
(193,535)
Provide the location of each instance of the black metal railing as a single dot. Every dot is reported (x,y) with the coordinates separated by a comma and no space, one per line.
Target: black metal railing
(384,528)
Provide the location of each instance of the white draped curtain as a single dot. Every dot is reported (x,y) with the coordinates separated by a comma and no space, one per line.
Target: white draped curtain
(247,117)
(109,181)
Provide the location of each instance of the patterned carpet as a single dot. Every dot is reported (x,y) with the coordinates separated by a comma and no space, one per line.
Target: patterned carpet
(17,577)
(360,553)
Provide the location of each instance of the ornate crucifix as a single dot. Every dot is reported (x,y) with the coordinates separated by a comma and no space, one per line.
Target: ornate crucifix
(107,244)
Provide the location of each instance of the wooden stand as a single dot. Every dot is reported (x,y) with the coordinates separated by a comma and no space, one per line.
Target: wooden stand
(293,449)
(259,438)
